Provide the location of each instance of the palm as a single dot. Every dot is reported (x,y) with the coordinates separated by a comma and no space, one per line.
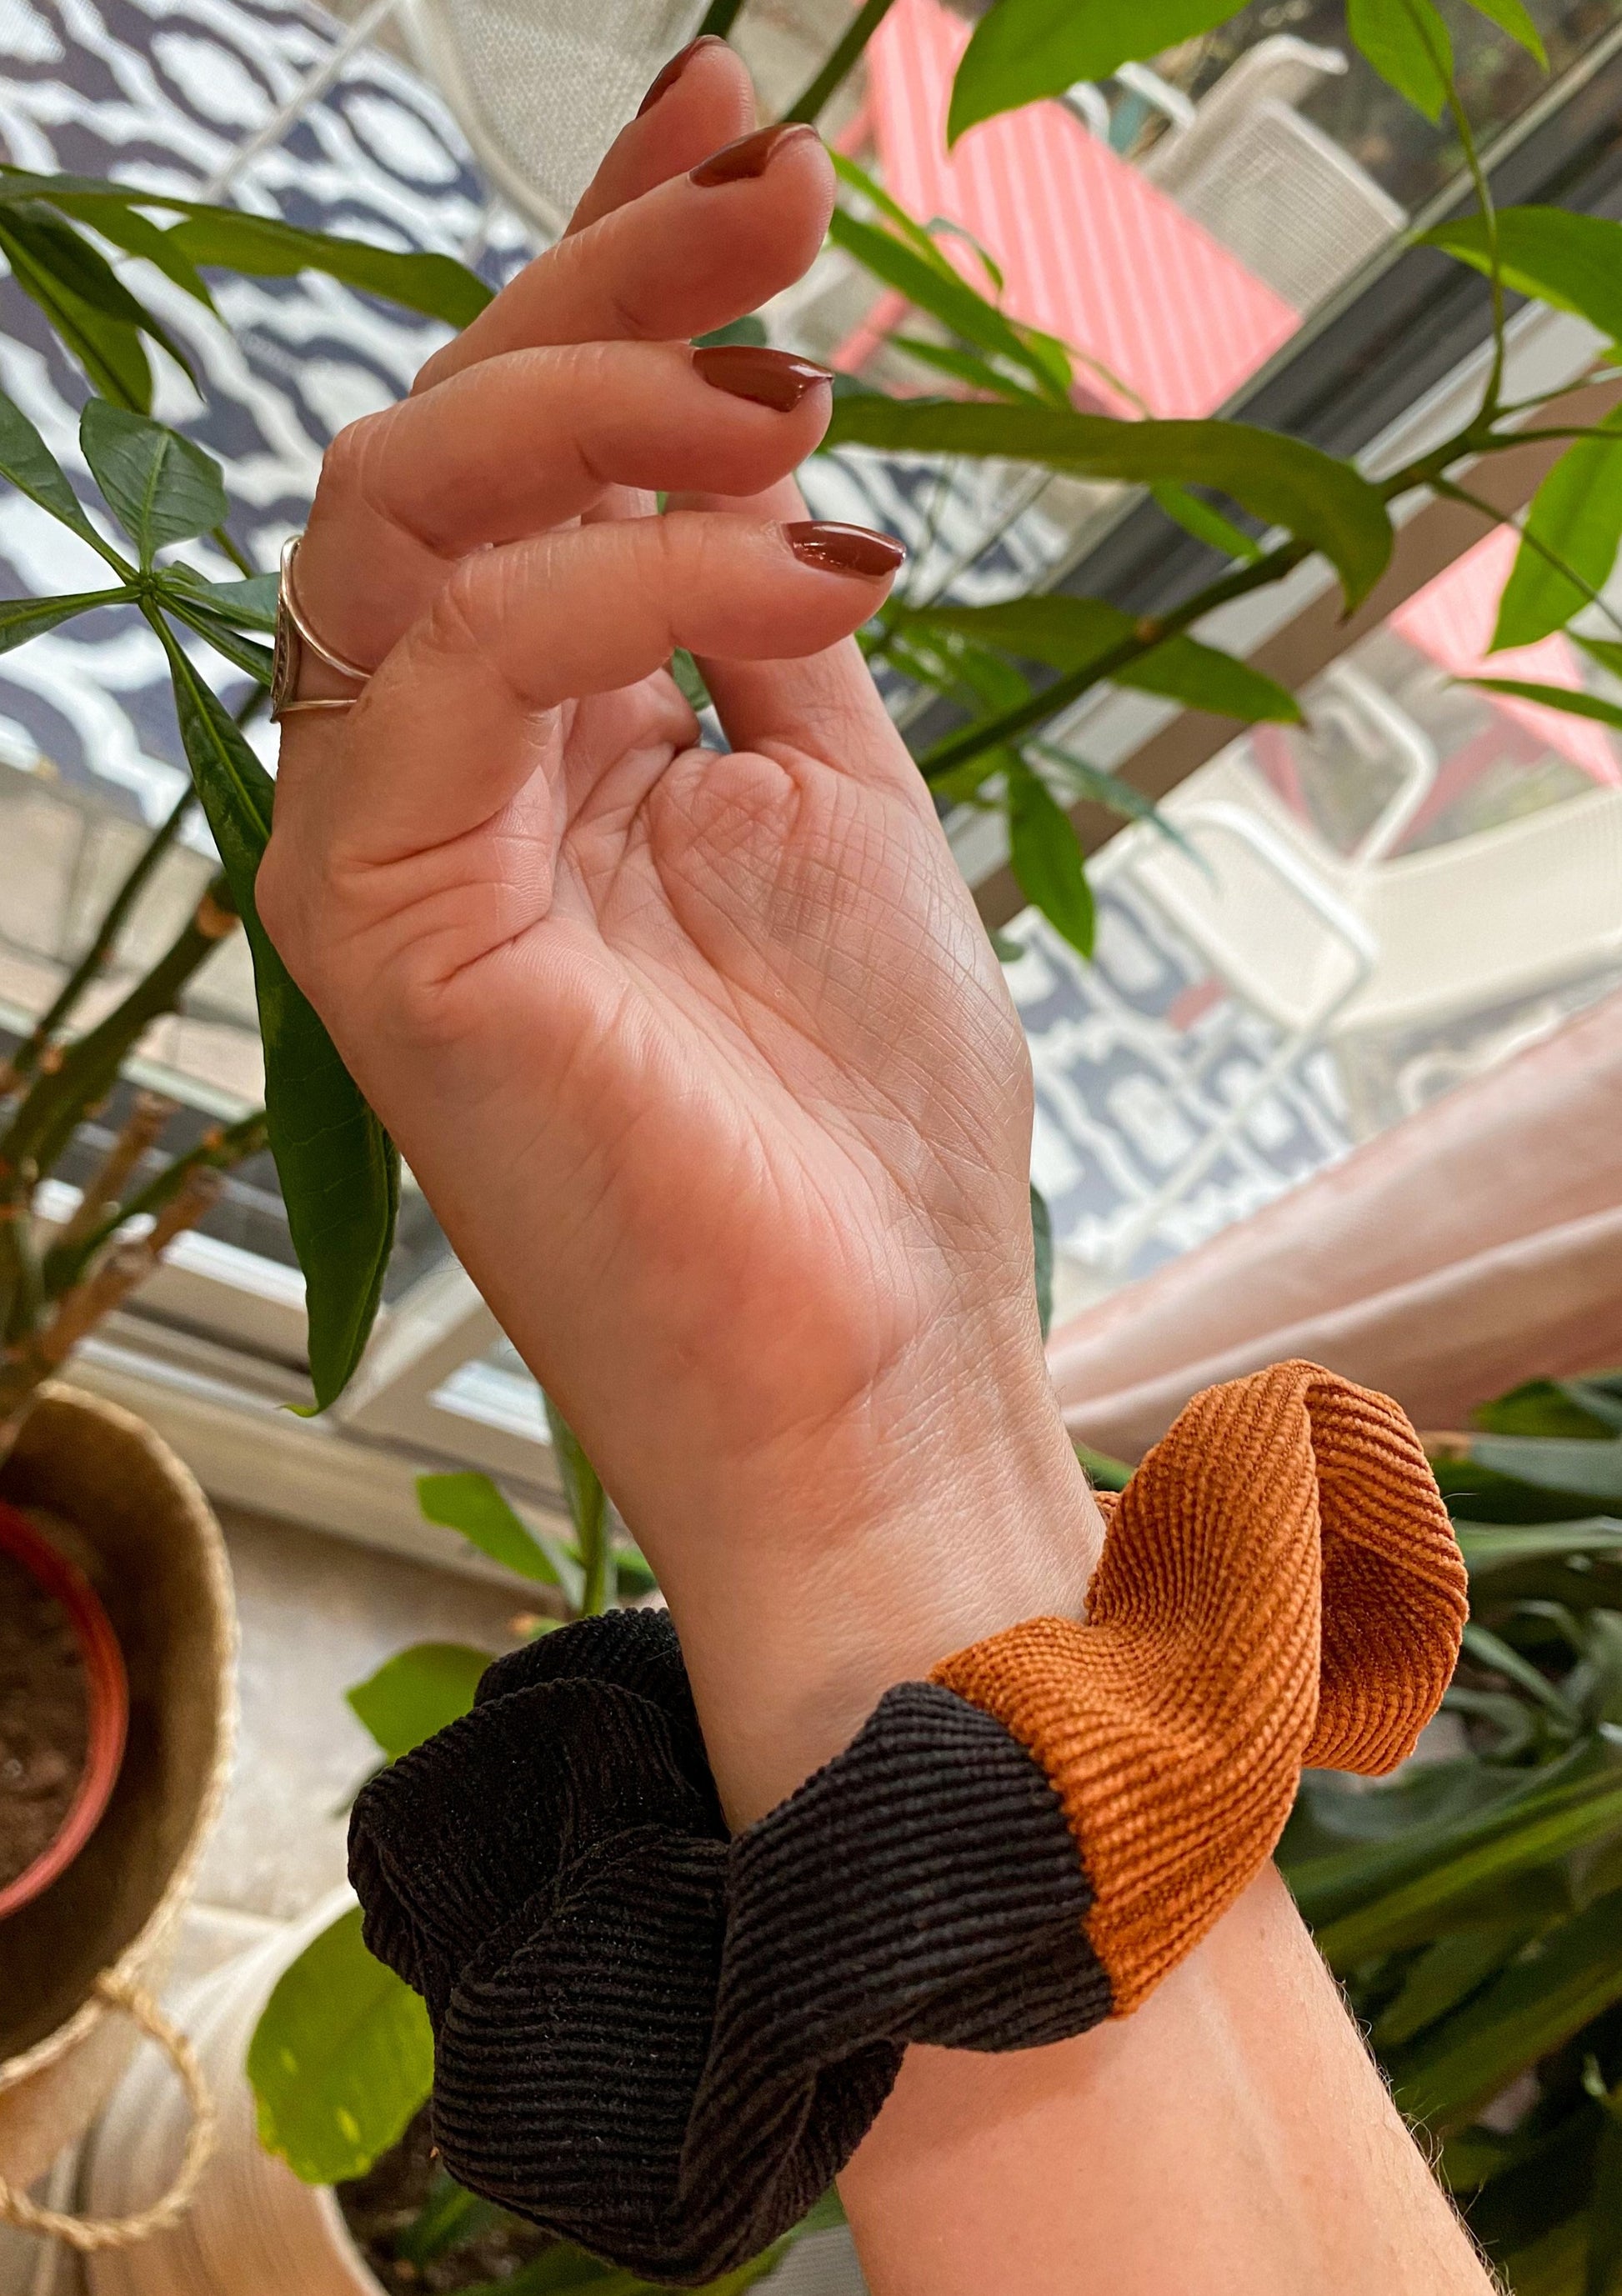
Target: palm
(731,1018)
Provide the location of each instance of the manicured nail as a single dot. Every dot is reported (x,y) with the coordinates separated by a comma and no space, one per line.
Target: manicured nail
(775,379)
(750,155)
(673,70)
(840,549)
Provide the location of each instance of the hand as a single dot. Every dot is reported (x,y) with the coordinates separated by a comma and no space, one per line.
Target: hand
(703,1061)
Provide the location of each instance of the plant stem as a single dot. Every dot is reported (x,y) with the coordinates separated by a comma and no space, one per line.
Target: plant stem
(42,1126)
(1489,223)
(842,62)
(588,1511)
(28,1056)
(35,1356)
(957,749)
(722,15)
(1533,541)
(142,1129)
(220,1150)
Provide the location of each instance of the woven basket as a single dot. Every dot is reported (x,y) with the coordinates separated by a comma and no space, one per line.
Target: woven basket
(252,2228)
(122,1506)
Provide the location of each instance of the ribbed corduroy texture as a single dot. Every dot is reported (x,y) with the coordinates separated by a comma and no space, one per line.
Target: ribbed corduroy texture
(662,2045)
(1280,1586)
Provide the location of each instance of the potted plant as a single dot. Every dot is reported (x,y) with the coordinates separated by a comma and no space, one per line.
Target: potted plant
(1260,503)
(116,1656)
(323,2059)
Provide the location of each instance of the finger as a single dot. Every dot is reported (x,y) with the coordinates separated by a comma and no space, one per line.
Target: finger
(825,704)
(687,256)
(702,99)
(528,440)
(519,630)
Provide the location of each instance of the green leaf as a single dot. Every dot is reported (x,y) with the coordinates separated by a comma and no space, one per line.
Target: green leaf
(137,234)
(1538,2003)
(1572,261)
(690,678)
(22,619)
(258,661)
(34,471)
(1510,17)
(1409,46)
(964,366)
(340,2061)
(82,273)
(588,1511)
(1545,1407)
(1065,632)
(1491,1650)
(1445,1974)
(1118,796)
(109,350)
(1103,1472)
(1606,651)
(1024,49)
(470,1504)
(1323,502)
(1205,524)
(340,1171)
(1042,1232)
(1488,1549)
(1047,861)
(1577,515)
(942,293)
(231,240)
(416,1693)
(249,604)
(1553,697)
(1526,1836)
(1593,1470)
(160,488)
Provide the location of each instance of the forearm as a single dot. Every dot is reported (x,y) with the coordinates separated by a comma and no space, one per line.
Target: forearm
(1231,2136)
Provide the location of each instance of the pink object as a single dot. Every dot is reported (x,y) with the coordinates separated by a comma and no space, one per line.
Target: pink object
(1091,250)
(107,1689)
(1474,1245)
(1452,620)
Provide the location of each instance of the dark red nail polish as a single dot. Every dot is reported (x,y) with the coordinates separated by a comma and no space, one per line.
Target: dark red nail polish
(673,70)
(750,155)
(773,379)
(839,549)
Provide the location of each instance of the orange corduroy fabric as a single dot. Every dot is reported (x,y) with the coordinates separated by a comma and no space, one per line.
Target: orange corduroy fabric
(1280,1586)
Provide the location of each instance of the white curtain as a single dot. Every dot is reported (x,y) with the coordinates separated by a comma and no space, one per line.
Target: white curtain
(1478,1244)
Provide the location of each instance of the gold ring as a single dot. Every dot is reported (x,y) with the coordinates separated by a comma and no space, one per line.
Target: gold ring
(293,634)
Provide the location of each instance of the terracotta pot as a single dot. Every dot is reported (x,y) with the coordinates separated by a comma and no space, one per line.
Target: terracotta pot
(252,2228)
(108,1693)
(117,1504)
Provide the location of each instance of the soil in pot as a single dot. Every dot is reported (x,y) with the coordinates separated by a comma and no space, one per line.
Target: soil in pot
(420,2232)
(44,1719)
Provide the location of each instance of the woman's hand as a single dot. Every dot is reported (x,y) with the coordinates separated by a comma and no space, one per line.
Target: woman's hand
(703,1061)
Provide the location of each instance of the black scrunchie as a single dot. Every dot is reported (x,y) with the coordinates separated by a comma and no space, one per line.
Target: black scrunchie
(662,2043)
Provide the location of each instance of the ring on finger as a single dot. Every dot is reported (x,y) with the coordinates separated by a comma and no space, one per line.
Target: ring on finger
(294,637)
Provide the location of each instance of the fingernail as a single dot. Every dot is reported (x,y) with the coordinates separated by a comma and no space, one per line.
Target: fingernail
(775,379)
(840,549)
(750,155)
(673,70)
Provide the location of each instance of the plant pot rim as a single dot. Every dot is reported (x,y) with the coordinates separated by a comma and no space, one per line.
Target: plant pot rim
(135,1959)
(107,1690)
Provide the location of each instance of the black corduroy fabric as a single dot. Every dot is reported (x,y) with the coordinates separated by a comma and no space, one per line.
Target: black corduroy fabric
(663,2044)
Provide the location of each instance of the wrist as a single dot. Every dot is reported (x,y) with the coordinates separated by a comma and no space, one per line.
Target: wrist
(865,1561)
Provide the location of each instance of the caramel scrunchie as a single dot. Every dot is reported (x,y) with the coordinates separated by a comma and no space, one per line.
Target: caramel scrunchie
(663,2043)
